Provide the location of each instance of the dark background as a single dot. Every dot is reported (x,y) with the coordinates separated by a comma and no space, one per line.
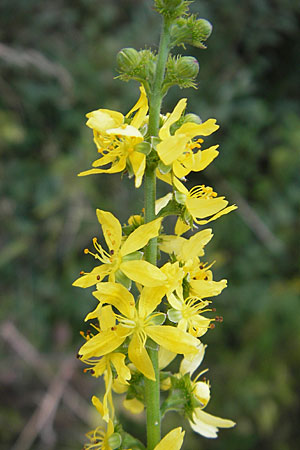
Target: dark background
(57,62)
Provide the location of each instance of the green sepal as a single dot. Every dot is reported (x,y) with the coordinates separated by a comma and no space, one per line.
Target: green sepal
(132,256)
(158,319)
(122,279)
(131,442)
(143,147)
(180,197)
(114,441)
(172,208)
(174,315)
(163,168)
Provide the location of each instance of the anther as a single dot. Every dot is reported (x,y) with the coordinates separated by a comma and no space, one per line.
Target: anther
(98,277)
(86,251)
(201,266)
(213,309)
(212,326)
(78,356)
(92,371)
(112,252)
(206,277)
(113,328)
(81,272)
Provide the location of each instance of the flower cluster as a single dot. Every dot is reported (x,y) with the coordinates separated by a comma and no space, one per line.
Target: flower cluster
(142,306)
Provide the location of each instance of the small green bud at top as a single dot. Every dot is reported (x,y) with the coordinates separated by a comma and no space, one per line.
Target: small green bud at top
(128,59)
(190,30)
(115,441)
(171,9)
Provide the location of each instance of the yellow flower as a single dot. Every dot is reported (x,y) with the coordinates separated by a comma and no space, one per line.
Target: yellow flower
(103,366)
(187,312)
(201,202)
(116,141)
(100,437)
(186,249)
(123,259)
(178,150)
(203,423)
(138,324)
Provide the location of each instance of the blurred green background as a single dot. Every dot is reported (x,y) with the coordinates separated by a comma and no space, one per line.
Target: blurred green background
(57,62)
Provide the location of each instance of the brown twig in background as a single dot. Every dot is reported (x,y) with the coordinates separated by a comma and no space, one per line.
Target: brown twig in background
(30,355)
(46,410)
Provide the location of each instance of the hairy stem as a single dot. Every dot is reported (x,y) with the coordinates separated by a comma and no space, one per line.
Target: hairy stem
(152,388)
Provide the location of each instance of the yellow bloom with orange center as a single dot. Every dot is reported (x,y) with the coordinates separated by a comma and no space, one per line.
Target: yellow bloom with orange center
(137,324)
(201,203)
(179,150)
(123,259)
(117,141)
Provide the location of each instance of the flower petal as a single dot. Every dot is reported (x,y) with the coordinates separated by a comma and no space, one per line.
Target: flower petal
(173,339)
(173,440)
(191,129)
(133,405)
(117,295)
(204,207)
(138,162)
(126,130)
(140,358)
(101,344)
(171,244)
(92,278)
(173,117)
(141,236)
(103,119)
(149,299)
(111,228)
(204,158)
(141,107)
(143,272)
(193,247)
(188,366)
(216,216)
(98,405)
(123,372)
(206,288)
(171,148)
(207,424)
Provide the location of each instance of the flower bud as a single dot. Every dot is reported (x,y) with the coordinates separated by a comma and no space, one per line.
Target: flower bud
(115,440)
(204,29)
(187,67)
(192,118)
(128,59)
(171,9)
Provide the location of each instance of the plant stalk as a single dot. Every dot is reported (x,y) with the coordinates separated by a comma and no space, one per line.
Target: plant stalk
(152,388)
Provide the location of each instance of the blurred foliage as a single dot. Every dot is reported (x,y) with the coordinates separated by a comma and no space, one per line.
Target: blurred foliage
(57,62)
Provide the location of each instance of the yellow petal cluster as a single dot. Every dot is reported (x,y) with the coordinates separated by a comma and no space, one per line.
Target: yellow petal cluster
(170,306)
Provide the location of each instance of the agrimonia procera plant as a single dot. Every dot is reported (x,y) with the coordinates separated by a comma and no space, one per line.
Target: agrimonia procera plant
(147,315)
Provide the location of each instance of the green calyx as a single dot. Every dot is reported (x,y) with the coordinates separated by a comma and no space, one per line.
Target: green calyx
(136,65)
(190,30)
(171,9)
(181,71)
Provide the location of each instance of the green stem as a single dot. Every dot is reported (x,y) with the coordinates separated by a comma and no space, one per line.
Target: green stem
(152,388)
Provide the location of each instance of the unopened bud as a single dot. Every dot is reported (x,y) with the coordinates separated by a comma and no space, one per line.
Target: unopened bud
(192,118)
(187,67)
(128,59)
